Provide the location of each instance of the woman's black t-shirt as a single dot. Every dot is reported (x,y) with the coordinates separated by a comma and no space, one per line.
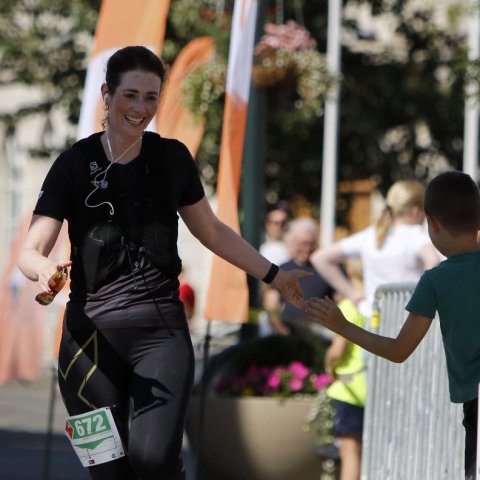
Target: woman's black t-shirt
(139,293)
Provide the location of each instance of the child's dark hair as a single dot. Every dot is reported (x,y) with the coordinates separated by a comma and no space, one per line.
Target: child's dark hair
(453,198)
(132,58)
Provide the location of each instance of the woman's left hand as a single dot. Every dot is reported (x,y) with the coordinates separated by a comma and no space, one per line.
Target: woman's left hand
(286,282)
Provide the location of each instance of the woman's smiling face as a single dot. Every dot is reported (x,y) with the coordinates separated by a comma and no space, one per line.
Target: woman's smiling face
(134,103)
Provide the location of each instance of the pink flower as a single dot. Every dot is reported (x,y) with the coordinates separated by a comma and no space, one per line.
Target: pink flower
(274,379)
(295,384)
(262,380)
(321,381)
(299,370)
(289,37)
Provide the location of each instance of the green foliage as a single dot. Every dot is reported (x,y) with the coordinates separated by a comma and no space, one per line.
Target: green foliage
(277,350)
(45,44)
(189,19)
(280,366)
(313,82)
(387,99)
(286,57)
(205,86)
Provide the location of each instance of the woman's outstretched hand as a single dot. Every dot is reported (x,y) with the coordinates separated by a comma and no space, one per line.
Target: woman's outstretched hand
(286,282)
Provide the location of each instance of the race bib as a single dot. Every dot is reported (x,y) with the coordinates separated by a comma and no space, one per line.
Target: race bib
(94,437)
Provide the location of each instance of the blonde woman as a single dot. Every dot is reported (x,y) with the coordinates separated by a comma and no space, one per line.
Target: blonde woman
(396,249)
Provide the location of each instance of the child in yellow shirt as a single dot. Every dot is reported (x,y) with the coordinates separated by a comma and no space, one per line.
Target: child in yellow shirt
(344,362)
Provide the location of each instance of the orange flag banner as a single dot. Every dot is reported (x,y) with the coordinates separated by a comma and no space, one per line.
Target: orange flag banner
(174,119)
(120,23)
(227,297)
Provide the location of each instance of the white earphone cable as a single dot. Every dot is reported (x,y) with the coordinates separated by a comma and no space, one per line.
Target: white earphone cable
(102,183)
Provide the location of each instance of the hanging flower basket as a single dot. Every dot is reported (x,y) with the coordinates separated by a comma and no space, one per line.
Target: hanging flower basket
(275,72)
(286,57)
(276,66)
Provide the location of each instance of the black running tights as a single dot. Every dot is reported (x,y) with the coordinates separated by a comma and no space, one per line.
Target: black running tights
(145,375)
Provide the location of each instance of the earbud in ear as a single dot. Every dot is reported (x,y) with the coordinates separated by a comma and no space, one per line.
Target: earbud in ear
(106,98)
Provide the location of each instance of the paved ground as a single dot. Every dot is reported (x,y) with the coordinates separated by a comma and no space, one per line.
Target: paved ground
(27,451)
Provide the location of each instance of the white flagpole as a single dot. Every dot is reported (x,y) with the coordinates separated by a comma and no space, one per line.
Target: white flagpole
(329,171)
(471,121)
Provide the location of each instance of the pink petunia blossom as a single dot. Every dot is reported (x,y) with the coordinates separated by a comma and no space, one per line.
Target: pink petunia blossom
(295,384)
(299,370)
(321,381)
(289,37)
(274,379)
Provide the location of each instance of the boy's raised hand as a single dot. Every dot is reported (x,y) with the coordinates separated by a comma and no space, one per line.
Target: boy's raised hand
(326,312)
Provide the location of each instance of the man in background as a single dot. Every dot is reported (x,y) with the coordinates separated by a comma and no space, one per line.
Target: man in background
(301,241)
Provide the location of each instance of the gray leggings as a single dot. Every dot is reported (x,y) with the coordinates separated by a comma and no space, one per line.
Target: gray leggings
(145,375)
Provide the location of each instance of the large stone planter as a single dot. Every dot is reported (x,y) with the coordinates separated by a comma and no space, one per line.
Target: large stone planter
(254,438)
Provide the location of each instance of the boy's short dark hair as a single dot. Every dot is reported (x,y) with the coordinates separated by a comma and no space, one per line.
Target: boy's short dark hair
(453,198)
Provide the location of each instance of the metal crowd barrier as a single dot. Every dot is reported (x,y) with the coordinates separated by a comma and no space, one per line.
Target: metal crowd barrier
(412,431)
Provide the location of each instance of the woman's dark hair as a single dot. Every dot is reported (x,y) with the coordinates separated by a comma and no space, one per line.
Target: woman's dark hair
(453,198)
(132,58)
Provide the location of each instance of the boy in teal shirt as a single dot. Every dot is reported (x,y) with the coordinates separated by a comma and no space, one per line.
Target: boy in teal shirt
(452,207)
